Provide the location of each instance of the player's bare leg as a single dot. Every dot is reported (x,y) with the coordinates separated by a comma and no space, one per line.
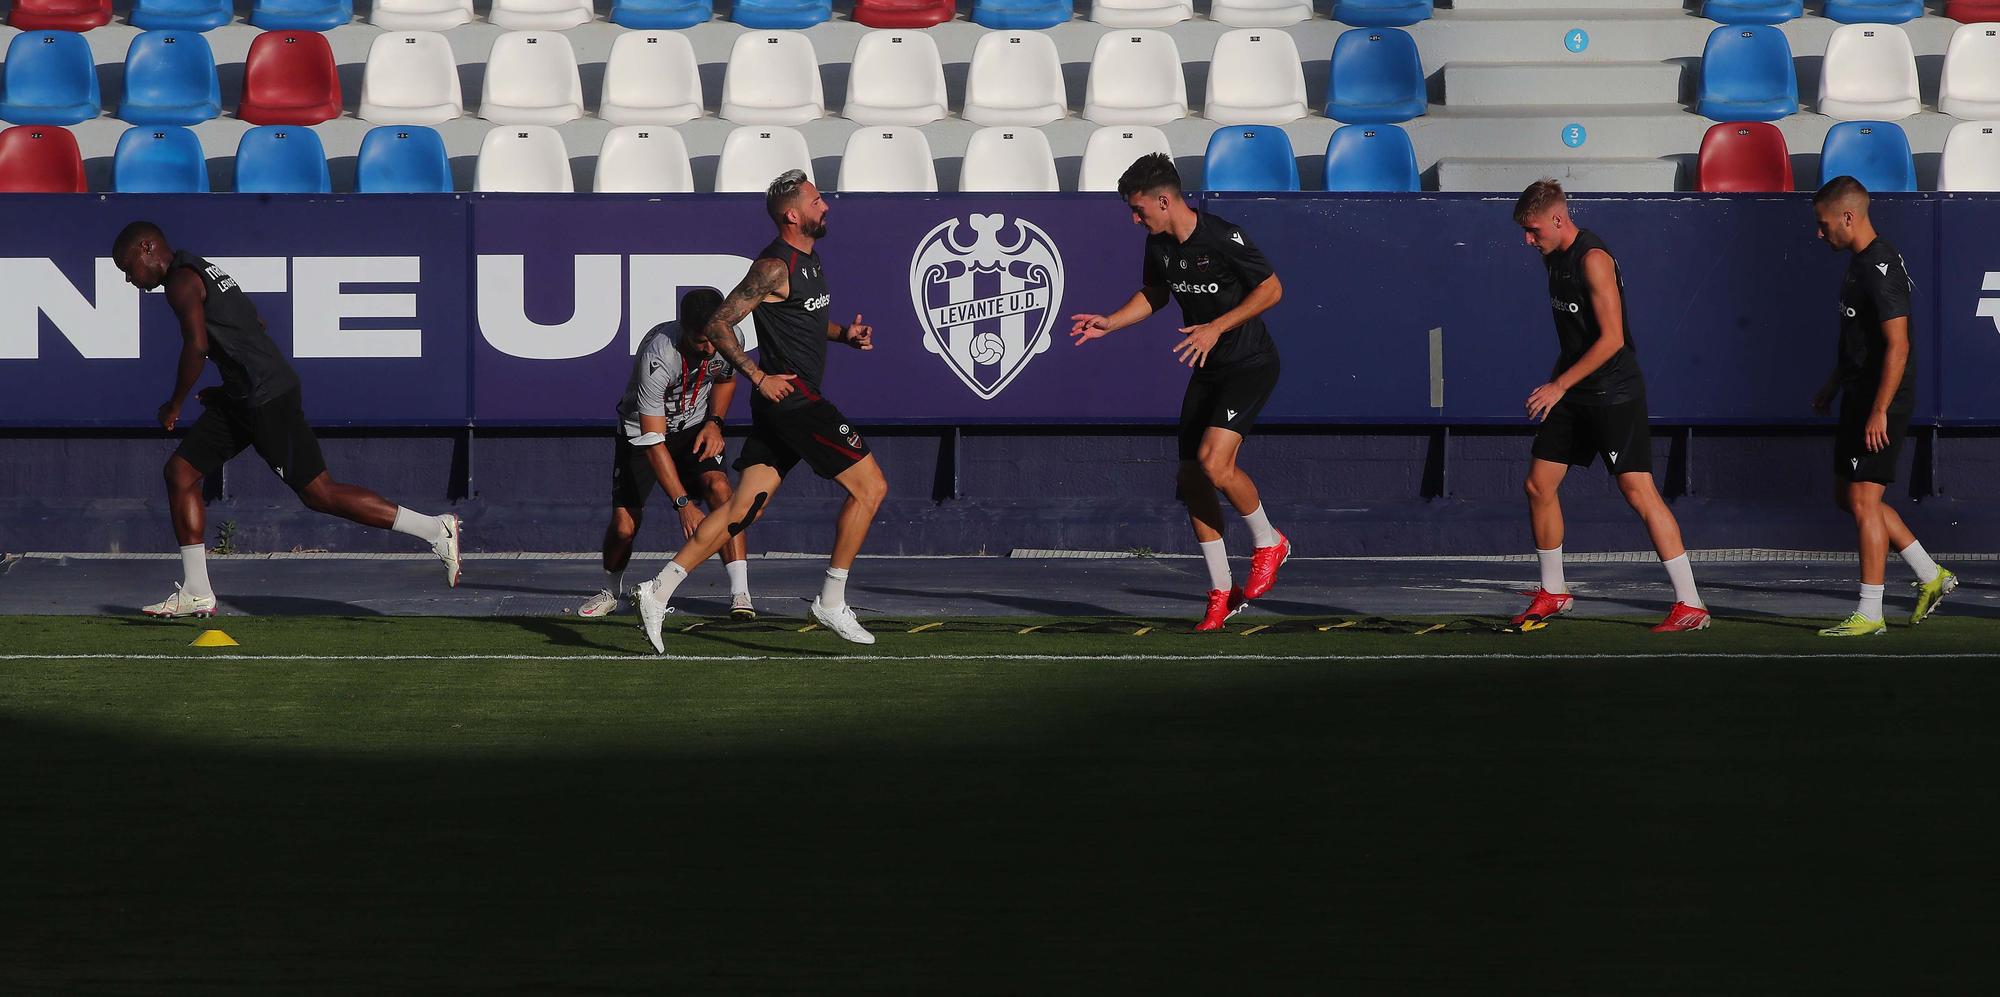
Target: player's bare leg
(1643,495)
(753,495)
(1933,581)
(1863,500)
(184,502)
(618,538)
(1197,491)
(1545,518)
(866,490)
(1217,457)
(193,596)
(715,489)
(359,505)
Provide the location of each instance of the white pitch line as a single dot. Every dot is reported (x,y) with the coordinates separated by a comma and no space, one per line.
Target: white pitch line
(641,657)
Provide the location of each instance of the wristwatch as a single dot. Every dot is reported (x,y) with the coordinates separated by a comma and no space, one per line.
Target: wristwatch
(715,419)
(682,502)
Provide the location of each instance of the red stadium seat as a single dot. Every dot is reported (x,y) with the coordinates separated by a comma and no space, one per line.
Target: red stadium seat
(289,79)
(1972,11)
(59,15)
(1744,156)
(903,13)
(40,159)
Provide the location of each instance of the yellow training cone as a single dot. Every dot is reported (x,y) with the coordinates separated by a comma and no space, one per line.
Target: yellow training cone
(213,638)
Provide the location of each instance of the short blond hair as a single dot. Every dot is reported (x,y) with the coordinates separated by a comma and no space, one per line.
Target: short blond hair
(1538,199)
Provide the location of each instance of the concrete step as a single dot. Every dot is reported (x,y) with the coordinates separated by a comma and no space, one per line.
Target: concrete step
(1597,175)
(1540,84)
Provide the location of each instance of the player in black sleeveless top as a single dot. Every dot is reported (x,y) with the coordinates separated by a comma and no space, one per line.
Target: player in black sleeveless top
(257,405)
(786,294)
(1593,404)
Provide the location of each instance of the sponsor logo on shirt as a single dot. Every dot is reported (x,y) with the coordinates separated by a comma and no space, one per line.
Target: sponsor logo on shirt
(1183,287)
(817,303)
(1565,306)
(223,281)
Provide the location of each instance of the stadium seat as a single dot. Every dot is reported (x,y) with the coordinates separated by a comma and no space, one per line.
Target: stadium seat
(772,79)
(170,79)
(903,13)
(532,79)
(289,79)
(1376,77)
(895,159)
(59,15)
(661,15)
(1141,13)
(541,15)
(1260,13)
(1971,158)
(40,159)
(1869,73)
(1752,11)
(281,159)
(1136,79)
(181,15)
(1250,158)
(1747,75)
(643,159)
(1972,11)
(51,79)
(410,80)
(1113,149)
(402,159)
(1255,78)
(1381,13)
(1877,153)
(781,15)
(528,159)
(651,78)
(1744,157)
(1377,158)
(1872,11)
(999,160)
(1970,88)
(1015,79)
(754,155)
(420,15)
(896,79)
(164,159)
(301,15)
(1021,15)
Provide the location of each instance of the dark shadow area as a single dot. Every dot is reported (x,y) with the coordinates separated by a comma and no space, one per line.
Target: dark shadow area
(291,605)
(350,75)
(561,633)
(1030,604)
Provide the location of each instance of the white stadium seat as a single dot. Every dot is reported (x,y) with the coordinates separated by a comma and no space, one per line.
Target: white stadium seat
(896,79)
(410,79)
(541,15)
(1870,73)
(1141,13)
(643,159)
(1971,85)
(651,78)
(1255,78)
(1015,79)
(526,158)
(1136,79)
(754,155)
(531,79)
(1008,159)
(1260,13)
(1971,158)
(420,15)
(893,158)
(772,79)
(1113,149)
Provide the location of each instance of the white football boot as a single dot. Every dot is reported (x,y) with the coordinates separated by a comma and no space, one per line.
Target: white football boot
(601,604)
(842,622)
(182,603)
(447,549)
(740,607)
(652,613)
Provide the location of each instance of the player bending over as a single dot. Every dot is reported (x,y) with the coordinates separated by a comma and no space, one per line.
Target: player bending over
(1594,403)
(670,432)
(1876,381)
(1224,285)
(258,405)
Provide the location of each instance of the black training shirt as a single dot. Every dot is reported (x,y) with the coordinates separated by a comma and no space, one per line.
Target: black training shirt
(253,370)
(1615,381)
(1876,290)
(1212,272)
(791,334)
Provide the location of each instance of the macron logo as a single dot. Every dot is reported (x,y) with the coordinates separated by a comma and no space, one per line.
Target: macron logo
(1231,413)
(1989,308)
(1614,456)
(1884,267)
(1236,237)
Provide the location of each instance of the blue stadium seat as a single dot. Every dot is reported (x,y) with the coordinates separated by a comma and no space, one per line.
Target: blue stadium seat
(1381,13)
(51,79)
(402,159)
(777,15)
(181,15)
(1873,11)
(1376,77)
(301,15)
(159,160)
(661,15)
(1371,158)
(1021,15)
(1746,75)
(1877,153)
(1250,157)
(281,159)
(1752,11)
(170,80)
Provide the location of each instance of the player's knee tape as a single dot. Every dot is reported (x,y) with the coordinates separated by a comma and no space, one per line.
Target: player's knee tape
(756,506)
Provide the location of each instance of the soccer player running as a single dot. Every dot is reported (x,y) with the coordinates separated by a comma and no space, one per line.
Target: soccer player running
(1594,403)
(1876,382)
(786,292)
(1224,285)
(258,405)
(670,432)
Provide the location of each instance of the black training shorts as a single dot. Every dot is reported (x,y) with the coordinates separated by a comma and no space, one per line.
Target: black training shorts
(1226,399)
(1851,459)
(276,428)
(632,477)
(1575,434)
(805,426)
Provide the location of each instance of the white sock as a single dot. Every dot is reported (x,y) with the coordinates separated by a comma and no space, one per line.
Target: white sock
(833,591)
(429,529)
(194,571)
(1217,557)
(1920,562)
(1871,602)
(669,579)
(1681,573)
(1552,571)
(1261,532)
(614,582)
(739,576)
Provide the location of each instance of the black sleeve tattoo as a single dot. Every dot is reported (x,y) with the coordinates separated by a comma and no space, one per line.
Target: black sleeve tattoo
(766,277)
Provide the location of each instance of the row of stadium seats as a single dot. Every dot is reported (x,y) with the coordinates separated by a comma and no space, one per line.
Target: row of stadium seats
(1751,156)
(1845,11)
(1869,73)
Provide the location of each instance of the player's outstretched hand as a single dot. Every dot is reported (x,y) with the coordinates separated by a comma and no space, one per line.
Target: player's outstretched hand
(1877,433)
(1089,327)
(774,387)
(691,518)
(1542,399)
(859,336)
(169,414)
(1193,351)
(708,442)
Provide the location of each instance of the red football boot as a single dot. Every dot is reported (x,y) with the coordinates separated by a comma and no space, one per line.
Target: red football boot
(1547,606)
(1221,606)
(1681,618)
(1264,565)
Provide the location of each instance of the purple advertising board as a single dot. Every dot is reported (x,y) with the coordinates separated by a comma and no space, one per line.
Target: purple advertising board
(1967,303)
